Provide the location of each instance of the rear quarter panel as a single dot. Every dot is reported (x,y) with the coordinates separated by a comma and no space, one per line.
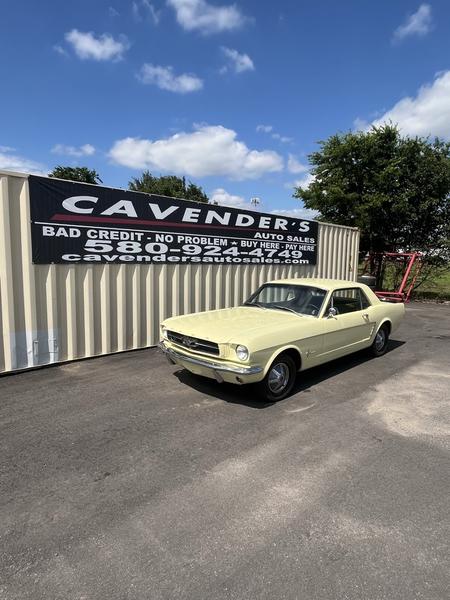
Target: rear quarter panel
(387,311)
(396,312)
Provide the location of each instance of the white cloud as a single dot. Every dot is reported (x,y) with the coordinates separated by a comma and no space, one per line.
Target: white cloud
(238,62)
(199,15)
(223,198)
(284,139)
(14,162)
(143,9)
(295,166)
(208,150)
(84,150)
(428,113)
(297,213)
(276,136)
(419,23)
(60,50)
(264,128)
(113,12)
(104,47)
(165,79)
(303,182)
(360,124)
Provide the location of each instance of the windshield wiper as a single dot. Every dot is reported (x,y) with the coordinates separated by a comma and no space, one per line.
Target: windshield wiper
(285,308)
(257,304)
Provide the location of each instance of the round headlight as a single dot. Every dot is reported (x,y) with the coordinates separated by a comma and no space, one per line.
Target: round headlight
(164,332)
(242,352)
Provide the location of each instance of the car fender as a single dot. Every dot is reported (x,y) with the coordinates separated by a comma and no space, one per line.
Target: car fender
(279,350)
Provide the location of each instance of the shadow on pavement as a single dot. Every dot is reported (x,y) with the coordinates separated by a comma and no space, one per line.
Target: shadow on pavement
(234,394)
(247,394)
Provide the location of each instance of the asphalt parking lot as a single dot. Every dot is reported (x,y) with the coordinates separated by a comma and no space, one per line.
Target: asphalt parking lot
(123,477)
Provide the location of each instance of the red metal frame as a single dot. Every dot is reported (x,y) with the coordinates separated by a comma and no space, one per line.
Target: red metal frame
(413,266)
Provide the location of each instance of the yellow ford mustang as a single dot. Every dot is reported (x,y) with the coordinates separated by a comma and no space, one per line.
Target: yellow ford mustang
(286,326)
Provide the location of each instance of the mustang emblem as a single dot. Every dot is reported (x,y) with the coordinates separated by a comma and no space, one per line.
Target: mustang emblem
(189,342)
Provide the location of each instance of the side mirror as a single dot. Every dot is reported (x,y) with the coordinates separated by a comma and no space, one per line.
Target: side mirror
(332,313)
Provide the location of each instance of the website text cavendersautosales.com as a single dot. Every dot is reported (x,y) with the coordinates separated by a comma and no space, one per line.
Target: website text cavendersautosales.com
(162,258)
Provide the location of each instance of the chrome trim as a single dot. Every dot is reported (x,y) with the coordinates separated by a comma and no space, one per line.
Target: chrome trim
(174,356)
(193,343)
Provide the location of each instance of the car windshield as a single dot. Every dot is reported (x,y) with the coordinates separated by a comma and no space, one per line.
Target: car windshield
(301,299)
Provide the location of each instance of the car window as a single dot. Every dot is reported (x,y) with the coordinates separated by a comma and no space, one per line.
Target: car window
(347,300)
(302,299)
(275,293)
(365,303)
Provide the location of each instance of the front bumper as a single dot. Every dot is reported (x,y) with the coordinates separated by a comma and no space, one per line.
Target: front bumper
(208,368)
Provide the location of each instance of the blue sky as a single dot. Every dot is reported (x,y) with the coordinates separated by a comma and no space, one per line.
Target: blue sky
(234,96)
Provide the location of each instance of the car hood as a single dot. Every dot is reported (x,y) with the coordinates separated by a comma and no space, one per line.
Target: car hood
(231,324)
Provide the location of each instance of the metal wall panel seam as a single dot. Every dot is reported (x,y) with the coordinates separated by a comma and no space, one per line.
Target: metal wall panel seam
(88,299)
(162,293)
(185,285)
(28,275)
(149,306)
(105,308)
(71,314)
(198,283)
(6,280)
(136,316)
(176,291)
(121,308)
(51,307)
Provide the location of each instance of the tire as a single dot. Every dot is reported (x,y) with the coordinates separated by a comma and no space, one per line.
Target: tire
(380,342)
(279,380)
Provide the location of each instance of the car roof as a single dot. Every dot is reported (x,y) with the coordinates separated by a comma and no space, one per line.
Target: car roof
(326,284)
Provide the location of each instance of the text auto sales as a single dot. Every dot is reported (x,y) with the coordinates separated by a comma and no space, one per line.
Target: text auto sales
(265,238)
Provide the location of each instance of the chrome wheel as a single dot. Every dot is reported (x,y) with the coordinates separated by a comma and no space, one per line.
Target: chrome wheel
(278,378)
(380,339)
(380,343)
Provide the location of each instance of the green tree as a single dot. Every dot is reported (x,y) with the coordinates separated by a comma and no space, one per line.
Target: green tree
(76,174)
(395,189)
(168,185)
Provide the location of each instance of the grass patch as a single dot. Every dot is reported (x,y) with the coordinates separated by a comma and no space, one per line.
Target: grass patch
(437,288)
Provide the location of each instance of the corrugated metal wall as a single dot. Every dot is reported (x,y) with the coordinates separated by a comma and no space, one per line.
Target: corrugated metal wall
(51,313)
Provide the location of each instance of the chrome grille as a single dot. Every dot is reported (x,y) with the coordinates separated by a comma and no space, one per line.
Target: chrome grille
(193,343)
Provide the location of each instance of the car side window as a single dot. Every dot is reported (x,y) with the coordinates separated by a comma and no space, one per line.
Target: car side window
(347,300)
(364,300)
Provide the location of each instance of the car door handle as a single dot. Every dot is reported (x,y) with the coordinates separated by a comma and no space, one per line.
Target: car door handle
(365,315)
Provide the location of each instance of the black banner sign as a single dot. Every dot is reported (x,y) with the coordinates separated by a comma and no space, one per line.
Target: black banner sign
(82,223)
